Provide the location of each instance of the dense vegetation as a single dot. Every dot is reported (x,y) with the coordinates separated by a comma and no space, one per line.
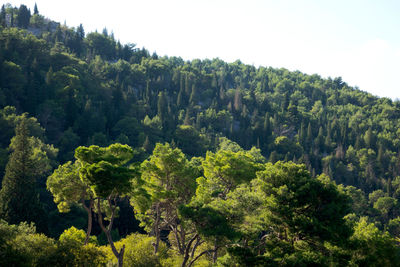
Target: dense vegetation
(221,164)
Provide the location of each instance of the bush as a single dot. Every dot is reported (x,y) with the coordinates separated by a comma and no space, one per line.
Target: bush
(139,251)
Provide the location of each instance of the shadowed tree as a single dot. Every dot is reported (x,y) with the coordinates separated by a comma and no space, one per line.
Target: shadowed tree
(19,200)
(24,15)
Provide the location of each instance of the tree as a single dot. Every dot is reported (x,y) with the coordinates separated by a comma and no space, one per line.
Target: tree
(104,170)
(139,251)
(3,16)
(300,214)
(68,189)
(224,170)
(35,10)
(24,15)
(71,250)
(211,211)
(371,247)
(20,245)
(162,107)
(19,200)
(170,182)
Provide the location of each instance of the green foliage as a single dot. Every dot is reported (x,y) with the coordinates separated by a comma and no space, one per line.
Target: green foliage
(209,222)
(139,251)
(89,89)
(295,201)
(169,175)
(223,171)
(373,247)
(66,186)
(73,236)
(103,169)
(22,246)
(24,15)
(300,215)
(18,196)
(170,182)
(71,247)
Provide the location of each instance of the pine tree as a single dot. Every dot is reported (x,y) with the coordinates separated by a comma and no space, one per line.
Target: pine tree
(18,196)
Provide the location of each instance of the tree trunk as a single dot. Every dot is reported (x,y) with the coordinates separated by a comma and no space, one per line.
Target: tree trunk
(119,255)
(198,256)
(90,219)
(157,228)
(187,250)
(215,254)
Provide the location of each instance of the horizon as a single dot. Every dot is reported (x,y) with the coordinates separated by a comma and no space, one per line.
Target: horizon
(335,39)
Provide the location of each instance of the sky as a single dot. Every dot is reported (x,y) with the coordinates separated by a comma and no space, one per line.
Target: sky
(358,40)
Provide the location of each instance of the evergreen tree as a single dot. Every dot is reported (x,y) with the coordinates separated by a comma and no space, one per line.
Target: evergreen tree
(12,17)
(179,100)
(24,15)
(162,106)
(19,200)
(238,100)
(35,10)
(194,95)
(3,16)
(81,32)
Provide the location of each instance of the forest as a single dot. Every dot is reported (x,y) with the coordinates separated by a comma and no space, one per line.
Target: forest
(114,156)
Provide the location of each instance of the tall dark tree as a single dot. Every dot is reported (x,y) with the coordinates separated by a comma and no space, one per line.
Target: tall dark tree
(19,200)
(80,31)
(24,15)
(162,106)
(35,10)
(3,16)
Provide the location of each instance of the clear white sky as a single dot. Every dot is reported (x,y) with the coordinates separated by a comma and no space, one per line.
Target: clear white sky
(358,40)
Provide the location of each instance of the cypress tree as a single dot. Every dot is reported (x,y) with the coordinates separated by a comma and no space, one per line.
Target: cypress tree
(302,134)
(179,100)
(81,32)
(162,107)
(221,93)
(309,137)
(24,15)
(194,95)
(187,118)
(267,124)
(3,16)
(19,200)
(35,10)
(238,100)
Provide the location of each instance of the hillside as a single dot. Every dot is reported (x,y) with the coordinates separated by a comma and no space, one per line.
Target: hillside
(82,89)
